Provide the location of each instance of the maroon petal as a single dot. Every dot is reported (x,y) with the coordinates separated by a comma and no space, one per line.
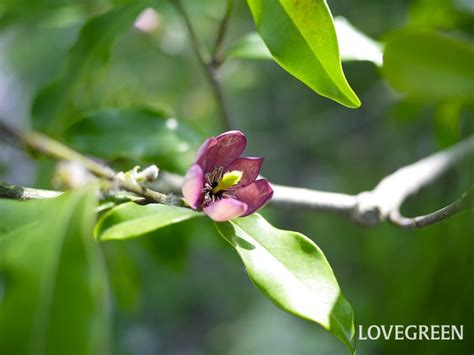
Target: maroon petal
(255,195)
(202,153)
(249,166)
(225,209)
(228,147)
(193,185)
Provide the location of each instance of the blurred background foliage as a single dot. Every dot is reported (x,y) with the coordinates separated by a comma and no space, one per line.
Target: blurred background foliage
(139,96)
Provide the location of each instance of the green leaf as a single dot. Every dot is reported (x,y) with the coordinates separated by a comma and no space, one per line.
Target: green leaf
(293,272)
(131,220)
(55,105)
(47,250)
(429,65)
(138,134)
(353,45)
(302,39)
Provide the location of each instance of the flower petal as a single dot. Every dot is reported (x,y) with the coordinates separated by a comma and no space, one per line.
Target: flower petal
(228,147)
(249,166)
(202,153)
(193,185)
(225,209)
(255,195)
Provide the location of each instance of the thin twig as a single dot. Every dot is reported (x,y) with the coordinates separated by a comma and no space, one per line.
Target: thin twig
(389,195)
(466,201)
(56,150)
(288,196)
(208,68)
(16,192)
(284,196)
(216,60)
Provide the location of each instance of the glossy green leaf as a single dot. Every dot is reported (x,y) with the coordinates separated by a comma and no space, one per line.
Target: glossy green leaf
(131,220)
(55,106)
(46,251)
(353,45)
(138,134)
(293,272)
(429,65)
(302,39)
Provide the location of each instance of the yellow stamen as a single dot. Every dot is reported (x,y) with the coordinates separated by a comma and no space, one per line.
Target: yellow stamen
(229,179)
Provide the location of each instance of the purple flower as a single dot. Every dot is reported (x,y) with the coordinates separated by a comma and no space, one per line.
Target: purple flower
(222,183)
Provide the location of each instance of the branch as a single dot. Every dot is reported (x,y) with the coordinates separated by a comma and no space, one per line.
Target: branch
(56,150)
(385,200)
(368,208)
(24,193)
(216,60)
(283,196)
(15,192)
(288,196)
(208,68)
(48,146)
(382,203)
(466,201)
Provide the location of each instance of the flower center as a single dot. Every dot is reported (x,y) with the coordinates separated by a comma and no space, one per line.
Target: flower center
(218,185)
(228,180)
